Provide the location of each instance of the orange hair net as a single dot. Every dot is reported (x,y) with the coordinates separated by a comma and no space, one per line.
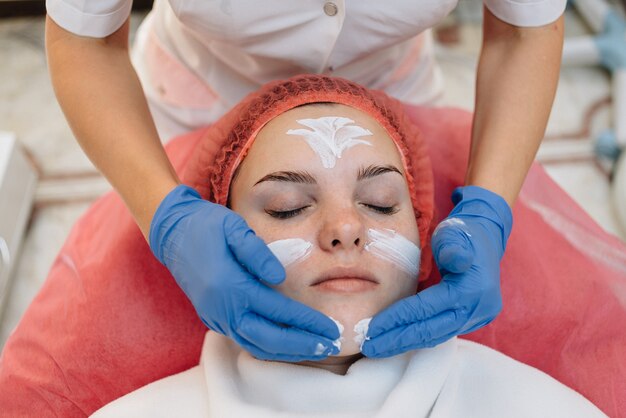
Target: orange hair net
(211,171)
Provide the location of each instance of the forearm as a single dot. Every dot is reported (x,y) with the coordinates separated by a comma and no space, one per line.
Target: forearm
(516,82)
(103,101)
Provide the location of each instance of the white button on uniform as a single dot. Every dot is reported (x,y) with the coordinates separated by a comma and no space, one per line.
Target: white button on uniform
(330,8)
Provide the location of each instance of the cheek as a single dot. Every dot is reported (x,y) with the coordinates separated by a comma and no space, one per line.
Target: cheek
(297,281)
(291,250)
(402,285)
(262,227)
(300,257)
(394,248)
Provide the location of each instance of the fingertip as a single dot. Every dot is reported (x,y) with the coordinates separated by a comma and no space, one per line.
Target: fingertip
(315,322)
(371,350)
(272,271)
(278,342)
(454,258)
(367,349)
(256,257)
(476,327)
(374,329)
(325,349)
(319,349)
(331,331)
(279,308)
(320,324)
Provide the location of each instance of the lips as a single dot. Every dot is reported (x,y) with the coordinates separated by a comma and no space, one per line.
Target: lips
(345,280)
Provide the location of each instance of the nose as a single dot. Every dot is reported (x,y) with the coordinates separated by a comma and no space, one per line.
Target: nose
(342,230)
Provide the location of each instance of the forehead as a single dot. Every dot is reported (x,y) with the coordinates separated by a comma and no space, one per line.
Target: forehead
(275,149)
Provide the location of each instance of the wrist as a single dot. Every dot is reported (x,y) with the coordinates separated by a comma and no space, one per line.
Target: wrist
(166,215)
(477,201)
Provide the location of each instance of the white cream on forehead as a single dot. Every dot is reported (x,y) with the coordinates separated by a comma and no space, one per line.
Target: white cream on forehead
(390,246)
(329,136)
(291,250)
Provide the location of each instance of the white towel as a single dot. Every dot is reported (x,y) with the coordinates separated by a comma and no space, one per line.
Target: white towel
(456,379)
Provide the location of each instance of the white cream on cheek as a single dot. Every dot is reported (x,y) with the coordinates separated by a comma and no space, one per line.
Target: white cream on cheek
(329,136)
(391,246)
(290,250)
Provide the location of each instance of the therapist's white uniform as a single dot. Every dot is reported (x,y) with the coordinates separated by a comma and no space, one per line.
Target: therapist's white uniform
(197,59)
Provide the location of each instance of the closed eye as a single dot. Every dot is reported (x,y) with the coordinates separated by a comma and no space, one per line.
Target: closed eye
(385,210)
(285,214)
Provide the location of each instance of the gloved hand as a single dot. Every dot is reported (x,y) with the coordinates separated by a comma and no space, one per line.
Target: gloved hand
(217,260)
(467,247)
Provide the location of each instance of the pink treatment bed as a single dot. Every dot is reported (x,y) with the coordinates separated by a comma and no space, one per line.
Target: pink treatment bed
(110,319)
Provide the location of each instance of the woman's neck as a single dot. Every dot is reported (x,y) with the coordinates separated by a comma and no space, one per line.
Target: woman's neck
(337,365)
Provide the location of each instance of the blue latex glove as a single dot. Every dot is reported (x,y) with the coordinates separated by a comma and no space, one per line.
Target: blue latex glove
(467,247)
(217,259)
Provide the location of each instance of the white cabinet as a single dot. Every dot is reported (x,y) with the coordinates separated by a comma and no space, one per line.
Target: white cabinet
(17,188)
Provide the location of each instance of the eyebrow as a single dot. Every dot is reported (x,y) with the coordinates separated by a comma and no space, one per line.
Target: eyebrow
(289,176)
(376,170)
(304,177)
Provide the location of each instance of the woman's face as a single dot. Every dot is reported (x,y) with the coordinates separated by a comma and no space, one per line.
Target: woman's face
(329,196)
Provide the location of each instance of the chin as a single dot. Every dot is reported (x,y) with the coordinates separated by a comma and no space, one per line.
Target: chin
(348,318)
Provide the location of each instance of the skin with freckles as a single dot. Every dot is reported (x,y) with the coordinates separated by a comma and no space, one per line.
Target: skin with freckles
(284,191)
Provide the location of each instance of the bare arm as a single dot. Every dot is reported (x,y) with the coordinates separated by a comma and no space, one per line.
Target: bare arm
(103,101)
(516,82)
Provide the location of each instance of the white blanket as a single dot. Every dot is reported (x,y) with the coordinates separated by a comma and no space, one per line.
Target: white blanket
(456,379)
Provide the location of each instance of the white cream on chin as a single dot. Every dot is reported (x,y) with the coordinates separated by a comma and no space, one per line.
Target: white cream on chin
(388,245)
(360,331)
(291,250)
(329,136)
(340,327)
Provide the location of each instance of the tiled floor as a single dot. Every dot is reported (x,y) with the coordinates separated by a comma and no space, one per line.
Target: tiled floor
(69,182)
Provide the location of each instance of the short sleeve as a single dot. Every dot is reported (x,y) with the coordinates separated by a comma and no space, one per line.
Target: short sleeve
(526,13)
(92,18)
